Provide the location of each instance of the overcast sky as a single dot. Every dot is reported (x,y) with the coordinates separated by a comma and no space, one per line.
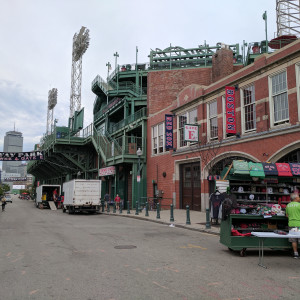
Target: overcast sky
(36,46)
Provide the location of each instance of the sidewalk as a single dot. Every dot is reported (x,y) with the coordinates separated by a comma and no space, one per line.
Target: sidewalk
(197,219)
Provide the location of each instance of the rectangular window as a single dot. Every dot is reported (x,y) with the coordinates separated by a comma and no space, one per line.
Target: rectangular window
(280,98)
(298,88)
(154,140)
(182,122)
(189,117)
(158,138)
(249,108)
(213,119)
(161,137)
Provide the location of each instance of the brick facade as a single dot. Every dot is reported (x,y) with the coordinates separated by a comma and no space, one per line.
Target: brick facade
(178,91)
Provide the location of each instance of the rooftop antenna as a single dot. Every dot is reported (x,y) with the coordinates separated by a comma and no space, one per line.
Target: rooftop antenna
(52,101)
(81,42)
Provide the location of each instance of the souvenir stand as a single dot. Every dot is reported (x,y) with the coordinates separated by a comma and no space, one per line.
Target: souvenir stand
(259,193)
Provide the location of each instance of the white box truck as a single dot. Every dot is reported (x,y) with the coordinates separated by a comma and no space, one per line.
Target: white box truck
(82,195)
(44,194)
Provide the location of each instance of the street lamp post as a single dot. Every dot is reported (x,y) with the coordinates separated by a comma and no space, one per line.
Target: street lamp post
(139,153)
(117,71)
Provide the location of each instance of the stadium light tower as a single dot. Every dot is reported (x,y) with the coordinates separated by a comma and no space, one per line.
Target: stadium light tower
(52,101)
(81,42)
(288,17)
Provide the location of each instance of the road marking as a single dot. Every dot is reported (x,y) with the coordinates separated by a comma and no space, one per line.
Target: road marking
(171,269)
(140,271)
(189,246)
(17,259)
(162,286)
(23,272)
(215,283)
(8,254)
(33,292)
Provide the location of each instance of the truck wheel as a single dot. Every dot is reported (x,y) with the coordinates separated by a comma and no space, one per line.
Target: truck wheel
(69,210)
(63,210)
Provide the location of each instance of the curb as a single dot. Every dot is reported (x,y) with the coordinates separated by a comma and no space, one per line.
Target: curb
(160,222)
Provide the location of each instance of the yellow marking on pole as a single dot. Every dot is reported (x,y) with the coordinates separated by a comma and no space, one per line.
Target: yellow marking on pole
(162,286)
(33,292)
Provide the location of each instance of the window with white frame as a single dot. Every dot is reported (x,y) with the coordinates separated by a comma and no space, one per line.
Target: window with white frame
(249,109)
(213,120)
(158,138)
(189,117)
(298,87)
(279,98)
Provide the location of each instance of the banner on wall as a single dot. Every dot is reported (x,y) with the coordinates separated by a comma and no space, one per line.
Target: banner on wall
(21,156)
(107,171)
(191,133)
(230,109)
(169,131)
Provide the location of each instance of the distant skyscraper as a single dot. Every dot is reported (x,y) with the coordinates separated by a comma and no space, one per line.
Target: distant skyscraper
(13,142)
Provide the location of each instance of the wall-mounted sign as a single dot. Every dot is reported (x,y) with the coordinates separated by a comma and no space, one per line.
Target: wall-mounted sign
(107,171)
(230,109)
(169,131)
(21,156)
(191,133)
(18,187)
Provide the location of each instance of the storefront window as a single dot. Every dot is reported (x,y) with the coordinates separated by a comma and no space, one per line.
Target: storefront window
(213,120)
(280,98)
(189,117)
(249,108)
(158,137)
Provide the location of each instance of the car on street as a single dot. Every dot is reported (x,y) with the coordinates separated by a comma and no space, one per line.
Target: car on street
(8,198)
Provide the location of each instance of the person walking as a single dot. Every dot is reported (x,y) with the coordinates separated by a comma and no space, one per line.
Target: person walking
(293,213)
(3,202)
(106,200)
(117,201)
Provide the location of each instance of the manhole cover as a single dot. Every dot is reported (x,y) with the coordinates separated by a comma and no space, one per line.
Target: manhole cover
(125,247)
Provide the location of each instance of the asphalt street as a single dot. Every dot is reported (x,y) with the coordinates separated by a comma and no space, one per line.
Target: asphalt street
(47,254)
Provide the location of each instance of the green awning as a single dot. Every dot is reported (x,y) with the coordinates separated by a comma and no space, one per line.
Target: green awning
(240,167)
(256,170)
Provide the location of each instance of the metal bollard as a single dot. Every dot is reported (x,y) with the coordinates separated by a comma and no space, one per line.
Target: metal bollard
(128,208)
(121,207)
(171,213)
(114,209)
(102,206)
(147,209)
(207,225)
(108,207)
(157,211)
(136,208)
(188,220)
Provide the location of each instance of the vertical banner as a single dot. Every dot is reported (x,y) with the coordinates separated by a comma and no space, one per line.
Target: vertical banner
(230,109)
(169,131)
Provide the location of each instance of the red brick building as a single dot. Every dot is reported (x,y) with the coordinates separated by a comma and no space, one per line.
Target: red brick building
(267,112)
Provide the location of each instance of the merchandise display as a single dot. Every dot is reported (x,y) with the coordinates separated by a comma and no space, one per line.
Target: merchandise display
(261,195)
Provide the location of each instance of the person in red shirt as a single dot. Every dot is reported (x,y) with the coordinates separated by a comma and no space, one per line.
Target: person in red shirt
(117,201)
